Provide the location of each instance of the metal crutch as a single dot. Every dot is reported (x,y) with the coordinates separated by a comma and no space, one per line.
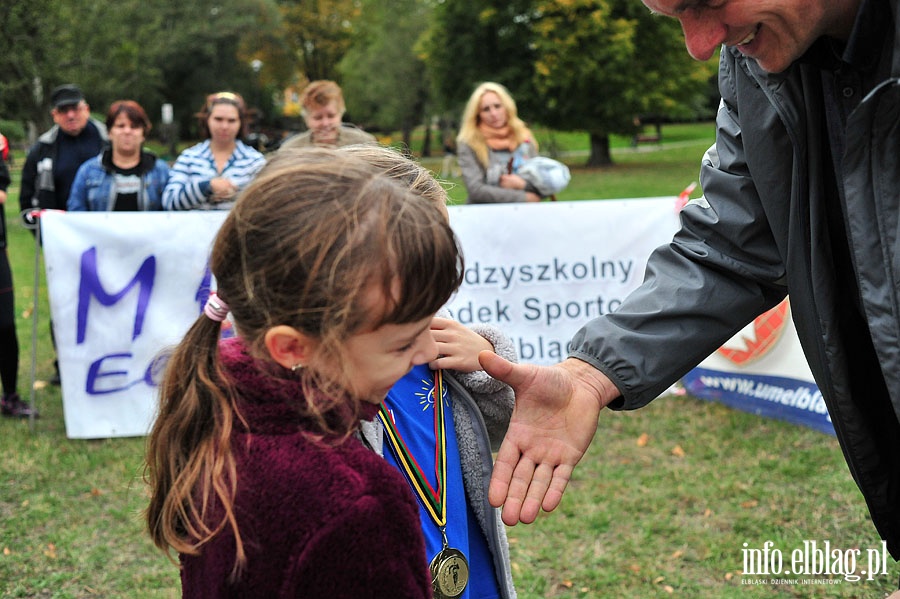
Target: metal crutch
(35,223)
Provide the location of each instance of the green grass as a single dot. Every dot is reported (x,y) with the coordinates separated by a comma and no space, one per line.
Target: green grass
(665,518)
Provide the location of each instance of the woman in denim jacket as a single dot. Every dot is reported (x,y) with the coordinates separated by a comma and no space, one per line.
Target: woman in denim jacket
(124,176)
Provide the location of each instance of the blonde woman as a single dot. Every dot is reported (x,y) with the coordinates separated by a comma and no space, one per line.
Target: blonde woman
(492,143)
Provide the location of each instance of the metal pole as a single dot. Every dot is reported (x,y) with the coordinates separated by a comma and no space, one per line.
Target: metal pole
(34,319)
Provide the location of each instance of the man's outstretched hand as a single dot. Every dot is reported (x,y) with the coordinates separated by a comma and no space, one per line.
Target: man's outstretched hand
(552,425)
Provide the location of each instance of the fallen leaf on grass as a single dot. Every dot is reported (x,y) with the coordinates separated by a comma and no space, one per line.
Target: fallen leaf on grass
(643,440)
(26,313)
(707,513)
(750,503)
(50,551)
(678,554)
(668,589)
(567,583)
(38,385)
(6,551)
(678,452)
(95,492)
(635,568)
(729,575)
(658,579)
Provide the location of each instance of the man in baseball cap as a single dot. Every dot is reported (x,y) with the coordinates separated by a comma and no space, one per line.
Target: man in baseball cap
(66,95)
(52,162)
(74,138)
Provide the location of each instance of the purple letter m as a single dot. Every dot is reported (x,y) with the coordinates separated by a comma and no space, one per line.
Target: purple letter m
(91,286)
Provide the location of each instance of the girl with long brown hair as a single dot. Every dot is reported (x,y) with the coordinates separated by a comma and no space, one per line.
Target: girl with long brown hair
(331,273)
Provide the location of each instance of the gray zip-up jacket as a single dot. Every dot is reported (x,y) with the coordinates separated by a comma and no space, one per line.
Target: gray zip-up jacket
(483,183)
(481,409)
(761,231)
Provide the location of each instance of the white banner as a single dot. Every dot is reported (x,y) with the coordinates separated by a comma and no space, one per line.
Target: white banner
(539,272)
(124,287)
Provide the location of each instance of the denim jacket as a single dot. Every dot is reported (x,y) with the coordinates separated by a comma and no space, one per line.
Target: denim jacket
(94,188)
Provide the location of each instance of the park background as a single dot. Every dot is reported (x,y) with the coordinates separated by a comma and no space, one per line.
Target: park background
(659,507)
(667,496)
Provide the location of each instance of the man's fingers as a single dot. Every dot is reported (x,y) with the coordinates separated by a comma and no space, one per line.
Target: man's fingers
(511,510)
(504,466)
(503,370)
(540,482)
(530,489)
(561,476)
(517,492)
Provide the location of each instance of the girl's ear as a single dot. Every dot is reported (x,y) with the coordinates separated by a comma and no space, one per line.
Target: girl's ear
(289,347)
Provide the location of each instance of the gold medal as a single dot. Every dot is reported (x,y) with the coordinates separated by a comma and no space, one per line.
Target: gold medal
(449,573)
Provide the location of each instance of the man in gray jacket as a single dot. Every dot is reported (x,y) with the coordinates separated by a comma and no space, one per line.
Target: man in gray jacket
(801,196)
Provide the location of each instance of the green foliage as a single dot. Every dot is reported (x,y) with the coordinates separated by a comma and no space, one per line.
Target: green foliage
(587,65)
(383,79)
(13,130)
(153,52)
(471,41)
(579,86)
(28,56)
(318,33)
(196,45)
(601,63)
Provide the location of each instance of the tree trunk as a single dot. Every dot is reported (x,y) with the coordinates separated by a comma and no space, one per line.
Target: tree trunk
(600,155)
(406,134)
(426,142)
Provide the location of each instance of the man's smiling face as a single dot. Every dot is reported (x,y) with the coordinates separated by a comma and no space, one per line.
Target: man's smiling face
(772,32)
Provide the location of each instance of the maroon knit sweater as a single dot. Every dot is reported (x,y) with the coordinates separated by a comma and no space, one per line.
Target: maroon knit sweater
(316,521)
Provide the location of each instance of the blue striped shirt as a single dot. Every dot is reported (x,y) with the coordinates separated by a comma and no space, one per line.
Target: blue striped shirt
(188,187)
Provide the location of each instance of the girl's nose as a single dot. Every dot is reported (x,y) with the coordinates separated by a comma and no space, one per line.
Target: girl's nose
(427,350)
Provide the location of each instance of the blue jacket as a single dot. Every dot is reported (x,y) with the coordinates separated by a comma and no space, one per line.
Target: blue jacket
(94,188)
(482,407)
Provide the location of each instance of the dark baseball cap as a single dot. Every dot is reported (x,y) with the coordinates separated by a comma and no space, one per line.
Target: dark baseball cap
(66,95)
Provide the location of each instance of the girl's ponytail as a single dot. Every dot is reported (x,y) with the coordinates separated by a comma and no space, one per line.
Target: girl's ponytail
(190,467)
